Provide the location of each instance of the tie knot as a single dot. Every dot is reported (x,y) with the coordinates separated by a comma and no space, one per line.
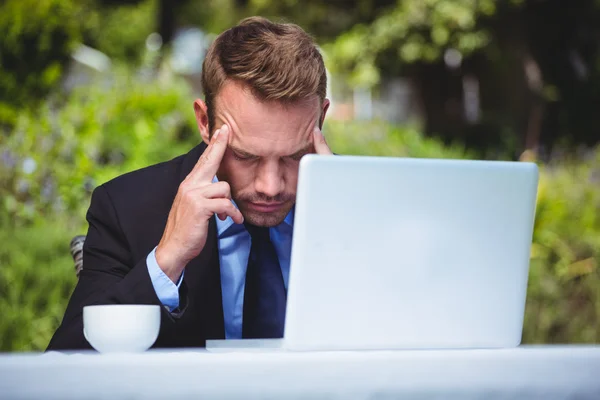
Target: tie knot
(257,232)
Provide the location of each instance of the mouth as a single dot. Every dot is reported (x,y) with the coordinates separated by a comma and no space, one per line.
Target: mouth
(265,207)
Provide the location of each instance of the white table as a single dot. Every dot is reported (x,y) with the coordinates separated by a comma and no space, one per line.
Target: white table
(544,372)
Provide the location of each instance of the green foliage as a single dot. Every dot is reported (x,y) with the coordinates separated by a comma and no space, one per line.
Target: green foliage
(323,19)
(49,164)
(59,152)
(104,131)
(36,279)
(39,36)
(383,139)
(564,288)
(121,32)
(414,30)
(213,16)
(37,39)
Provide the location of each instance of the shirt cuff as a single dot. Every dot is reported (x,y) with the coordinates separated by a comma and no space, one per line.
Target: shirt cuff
(166,290)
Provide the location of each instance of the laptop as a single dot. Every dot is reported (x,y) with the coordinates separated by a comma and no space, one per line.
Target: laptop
(405,253)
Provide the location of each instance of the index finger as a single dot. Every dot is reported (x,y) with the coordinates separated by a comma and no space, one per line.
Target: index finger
(208,163)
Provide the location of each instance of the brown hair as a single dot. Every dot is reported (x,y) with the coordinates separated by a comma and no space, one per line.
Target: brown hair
(278,61)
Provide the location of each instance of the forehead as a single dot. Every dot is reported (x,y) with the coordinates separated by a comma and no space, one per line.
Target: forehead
(265,126)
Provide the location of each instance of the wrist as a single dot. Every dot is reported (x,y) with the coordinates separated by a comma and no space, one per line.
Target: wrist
(170,265)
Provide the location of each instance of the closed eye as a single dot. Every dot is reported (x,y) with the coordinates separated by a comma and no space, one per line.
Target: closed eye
(243,157)
(300,153)
(298,156)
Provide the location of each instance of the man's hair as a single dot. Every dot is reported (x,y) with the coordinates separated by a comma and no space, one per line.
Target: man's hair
(277,61)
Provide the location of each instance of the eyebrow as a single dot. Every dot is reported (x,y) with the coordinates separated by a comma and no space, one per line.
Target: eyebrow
(243,153)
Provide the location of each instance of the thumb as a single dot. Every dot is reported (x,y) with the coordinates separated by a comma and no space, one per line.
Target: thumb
(320,143)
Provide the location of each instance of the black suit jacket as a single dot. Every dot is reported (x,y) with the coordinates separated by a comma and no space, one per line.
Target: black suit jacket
(126,219)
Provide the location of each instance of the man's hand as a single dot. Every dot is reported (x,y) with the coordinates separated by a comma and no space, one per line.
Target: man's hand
(197,200)
(320,144)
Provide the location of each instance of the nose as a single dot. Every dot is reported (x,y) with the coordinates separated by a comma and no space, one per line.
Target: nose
(269,179)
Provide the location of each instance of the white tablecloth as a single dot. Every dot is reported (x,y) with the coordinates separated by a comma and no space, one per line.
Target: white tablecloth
(543,372)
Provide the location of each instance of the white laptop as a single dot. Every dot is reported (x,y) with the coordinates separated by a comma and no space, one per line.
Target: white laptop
(401,253)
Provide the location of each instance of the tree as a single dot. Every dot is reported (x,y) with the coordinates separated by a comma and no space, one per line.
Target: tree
(37,40)
(536,62)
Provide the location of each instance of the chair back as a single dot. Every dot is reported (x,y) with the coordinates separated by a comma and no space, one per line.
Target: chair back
(77,252)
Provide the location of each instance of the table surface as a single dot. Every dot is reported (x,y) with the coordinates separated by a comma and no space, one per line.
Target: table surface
(546,372)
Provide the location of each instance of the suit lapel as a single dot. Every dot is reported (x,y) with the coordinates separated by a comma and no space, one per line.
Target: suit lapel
(203,279)
(203,274)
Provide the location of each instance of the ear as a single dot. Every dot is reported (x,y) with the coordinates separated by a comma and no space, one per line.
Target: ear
(326,104)
(201,112)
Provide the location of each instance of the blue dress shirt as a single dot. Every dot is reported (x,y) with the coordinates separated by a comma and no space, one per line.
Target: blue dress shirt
(234,250)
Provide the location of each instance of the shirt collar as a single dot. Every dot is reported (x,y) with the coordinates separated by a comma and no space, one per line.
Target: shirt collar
(229,227)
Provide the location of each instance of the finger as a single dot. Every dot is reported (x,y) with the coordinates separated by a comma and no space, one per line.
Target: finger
(217,190)
(320,143)
(222,216)
(208,164)
(226,207)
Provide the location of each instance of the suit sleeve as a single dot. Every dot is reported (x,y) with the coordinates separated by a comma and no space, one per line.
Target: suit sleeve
(110,276)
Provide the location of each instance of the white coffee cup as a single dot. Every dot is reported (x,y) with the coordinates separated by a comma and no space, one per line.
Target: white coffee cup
(121,328)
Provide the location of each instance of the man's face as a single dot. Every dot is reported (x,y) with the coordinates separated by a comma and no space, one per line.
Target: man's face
(266,142)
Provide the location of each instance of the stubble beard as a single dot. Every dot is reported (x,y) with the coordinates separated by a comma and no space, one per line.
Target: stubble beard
(266,219)
(260,218)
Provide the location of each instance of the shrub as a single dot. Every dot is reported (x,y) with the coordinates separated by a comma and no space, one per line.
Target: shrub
(49,165)
(37,39)
(563,302)
(52,160)
(36,279)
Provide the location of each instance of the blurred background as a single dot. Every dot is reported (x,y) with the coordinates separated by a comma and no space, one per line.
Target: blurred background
(90,89)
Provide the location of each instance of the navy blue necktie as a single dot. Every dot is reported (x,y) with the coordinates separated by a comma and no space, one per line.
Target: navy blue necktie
(264,293)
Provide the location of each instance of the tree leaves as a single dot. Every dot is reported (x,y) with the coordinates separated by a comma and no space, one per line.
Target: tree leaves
(418,30)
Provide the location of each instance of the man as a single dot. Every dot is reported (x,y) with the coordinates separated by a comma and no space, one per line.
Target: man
(153,237)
